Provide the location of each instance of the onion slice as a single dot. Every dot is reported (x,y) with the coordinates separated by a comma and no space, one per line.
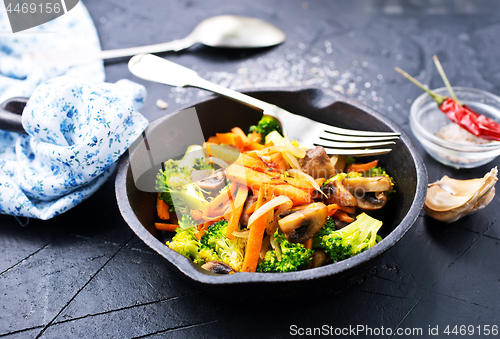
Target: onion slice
(282,199)
(301,175)
(241,234)
(296,151)
(291,160)
(276,247)
(219,162)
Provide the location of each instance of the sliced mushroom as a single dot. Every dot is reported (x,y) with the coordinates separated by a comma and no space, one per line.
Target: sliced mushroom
(317,163)
(244,216)
(367,184)
(213,182)
(218,267)
(197,175)
(319,259)
(339,162)
(372,201)
(338,194)
(339,224)
(302,223)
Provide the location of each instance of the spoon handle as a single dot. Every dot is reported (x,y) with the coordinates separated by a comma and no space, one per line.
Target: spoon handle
(153,68)
(174,45)
(70,59)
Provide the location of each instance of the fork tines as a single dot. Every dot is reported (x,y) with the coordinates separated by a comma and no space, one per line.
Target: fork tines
(352,142)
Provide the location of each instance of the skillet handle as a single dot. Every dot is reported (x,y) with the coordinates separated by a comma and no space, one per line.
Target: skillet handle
(11,112)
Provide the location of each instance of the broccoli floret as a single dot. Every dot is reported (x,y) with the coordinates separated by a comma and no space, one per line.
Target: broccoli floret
(355,238)
(353,174)
(294,256)
(201,164)
(215,246)
(177,189)
(185,243)
(187,221)
(172,178)
(265,126)
(337,177)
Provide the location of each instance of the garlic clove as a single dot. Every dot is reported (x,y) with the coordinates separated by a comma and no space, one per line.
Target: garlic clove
(451,199)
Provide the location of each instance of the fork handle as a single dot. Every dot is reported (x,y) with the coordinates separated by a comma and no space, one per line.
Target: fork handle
(153,68)
(234,95)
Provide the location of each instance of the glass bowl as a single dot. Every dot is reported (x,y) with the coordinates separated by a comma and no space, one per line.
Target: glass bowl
(426,120)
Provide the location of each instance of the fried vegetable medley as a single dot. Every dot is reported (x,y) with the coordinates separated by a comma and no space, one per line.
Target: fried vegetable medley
(258,202)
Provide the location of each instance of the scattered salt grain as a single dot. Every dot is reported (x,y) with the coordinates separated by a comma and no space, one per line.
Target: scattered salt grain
(457,135)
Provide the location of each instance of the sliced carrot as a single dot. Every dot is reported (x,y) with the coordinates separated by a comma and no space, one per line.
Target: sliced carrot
(296,195)
(162,209)
(255,136)
(238,142)
(255,146)
(222,198)
(320,181)
(243,136)
(251,209)
(308,244)
(300,183)
(341,215)
(201,230)
(252,154)
(166,227)
(332,209)
(214,140)
(254,242)
(239,202)
(231,139)
(255,180)
(347,209)
(275,161)
(250,162)
(196,214)
(361,167)
(226,138)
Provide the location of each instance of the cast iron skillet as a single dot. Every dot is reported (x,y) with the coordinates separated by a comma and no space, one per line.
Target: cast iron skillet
(217,114)
(10,114)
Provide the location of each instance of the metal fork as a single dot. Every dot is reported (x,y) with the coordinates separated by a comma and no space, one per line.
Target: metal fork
(309,133)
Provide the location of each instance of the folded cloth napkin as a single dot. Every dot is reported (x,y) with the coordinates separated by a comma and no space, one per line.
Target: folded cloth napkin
(77,130)
(20,73)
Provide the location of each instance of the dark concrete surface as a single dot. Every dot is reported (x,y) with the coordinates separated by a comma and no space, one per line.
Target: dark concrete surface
(85,274)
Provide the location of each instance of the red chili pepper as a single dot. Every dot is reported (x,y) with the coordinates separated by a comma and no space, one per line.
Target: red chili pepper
(477,124)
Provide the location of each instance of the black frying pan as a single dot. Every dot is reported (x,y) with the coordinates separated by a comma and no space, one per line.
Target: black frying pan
(11,112)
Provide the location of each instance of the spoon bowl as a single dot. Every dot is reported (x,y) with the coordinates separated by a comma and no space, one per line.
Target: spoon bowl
(226,31)
(234,31)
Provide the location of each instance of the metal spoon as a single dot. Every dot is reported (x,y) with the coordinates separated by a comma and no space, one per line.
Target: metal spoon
(229,31)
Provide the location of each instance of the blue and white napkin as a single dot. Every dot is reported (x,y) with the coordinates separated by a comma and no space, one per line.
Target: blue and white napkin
(77,125)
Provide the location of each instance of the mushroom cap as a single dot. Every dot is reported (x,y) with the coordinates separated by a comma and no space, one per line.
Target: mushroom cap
(302,223)
(217,267)
(367,184)
(372,201)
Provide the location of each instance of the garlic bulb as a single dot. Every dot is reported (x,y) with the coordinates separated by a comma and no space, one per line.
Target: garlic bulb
(451,199)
